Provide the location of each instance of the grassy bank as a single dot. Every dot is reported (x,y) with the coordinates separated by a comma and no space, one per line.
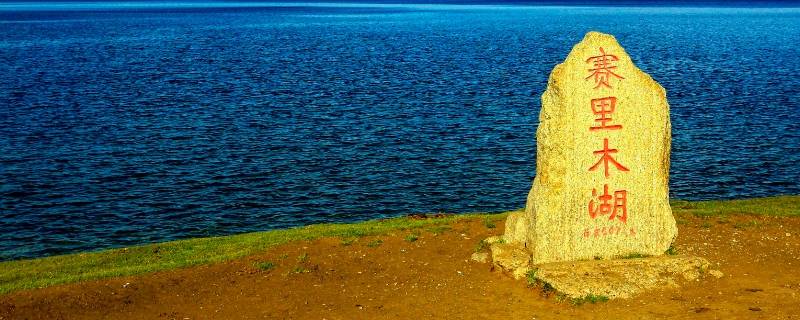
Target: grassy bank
(43,272)
(35,273)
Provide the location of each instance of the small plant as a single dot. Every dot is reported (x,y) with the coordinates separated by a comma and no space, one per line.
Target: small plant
(348,241)
(374,243)
(591,298)
(534,281)
(531,277)
(264,265)
(482,245)
(742,225)
(299,269)
(595,299)
(672,250)
(547,288)
(706,224)
(412,237)
(303,258)
(284,256)
(489,223)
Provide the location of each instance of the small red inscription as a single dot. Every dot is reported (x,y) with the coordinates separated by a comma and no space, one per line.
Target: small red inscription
(599,232)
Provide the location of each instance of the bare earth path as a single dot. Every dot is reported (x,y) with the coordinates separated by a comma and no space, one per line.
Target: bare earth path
(392,277)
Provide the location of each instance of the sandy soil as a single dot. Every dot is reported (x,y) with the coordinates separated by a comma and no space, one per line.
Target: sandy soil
(433,278)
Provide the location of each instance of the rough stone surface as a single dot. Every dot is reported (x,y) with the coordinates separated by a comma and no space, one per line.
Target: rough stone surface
(557,225)
(621,278)
(516,228)
(512,258)
(481,257)
(494,239)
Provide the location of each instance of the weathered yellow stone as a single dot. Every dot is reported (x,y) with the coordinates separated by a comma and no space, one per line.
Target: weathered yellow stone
(621,278)
(557,224)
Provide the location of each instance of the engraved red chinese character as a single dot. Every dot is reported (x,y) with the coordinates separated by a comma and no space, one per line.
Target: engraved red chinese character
(602,68)
(613,205)
(606,158)
(603,108)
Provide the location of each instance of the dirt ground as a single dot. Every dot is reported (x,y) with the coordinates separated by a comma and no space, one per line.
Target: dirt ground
(392,277)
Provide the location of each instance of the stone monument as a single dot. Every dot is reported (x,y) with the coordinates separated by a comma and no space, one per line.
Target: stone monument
(602,171)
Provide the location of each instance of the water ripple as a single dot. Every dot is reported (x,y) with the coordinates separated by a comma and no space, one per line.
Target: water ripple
(123,127)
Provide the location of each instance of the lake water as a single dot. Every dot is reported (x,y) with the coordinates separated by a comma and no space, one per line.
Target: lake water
(128,123)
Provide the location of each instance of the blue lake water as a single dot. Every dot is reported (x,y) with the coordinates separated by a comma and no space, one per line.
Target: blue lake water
(128,123)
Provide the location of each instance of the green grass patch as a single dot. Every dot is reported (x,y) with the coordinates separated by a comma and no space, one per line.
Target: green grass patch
(48,271)
(375,243)
(411,237)
(437,230)
(530,276)
(745,225)
(482,245)
(354,233)
(589,299)
(534,281)
(303,258)
(348,241)
(264,265)
(489,223)
(772,206)
(299,269)
(671,250)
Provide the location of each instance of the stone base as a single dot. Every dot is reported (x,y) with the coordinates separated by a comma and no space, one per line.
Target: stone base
(622,278)
(619,278)
(512,258)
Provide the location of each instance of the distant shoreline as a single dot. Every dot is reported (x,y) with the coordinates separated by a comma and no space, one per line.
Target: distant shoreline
(143,4)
